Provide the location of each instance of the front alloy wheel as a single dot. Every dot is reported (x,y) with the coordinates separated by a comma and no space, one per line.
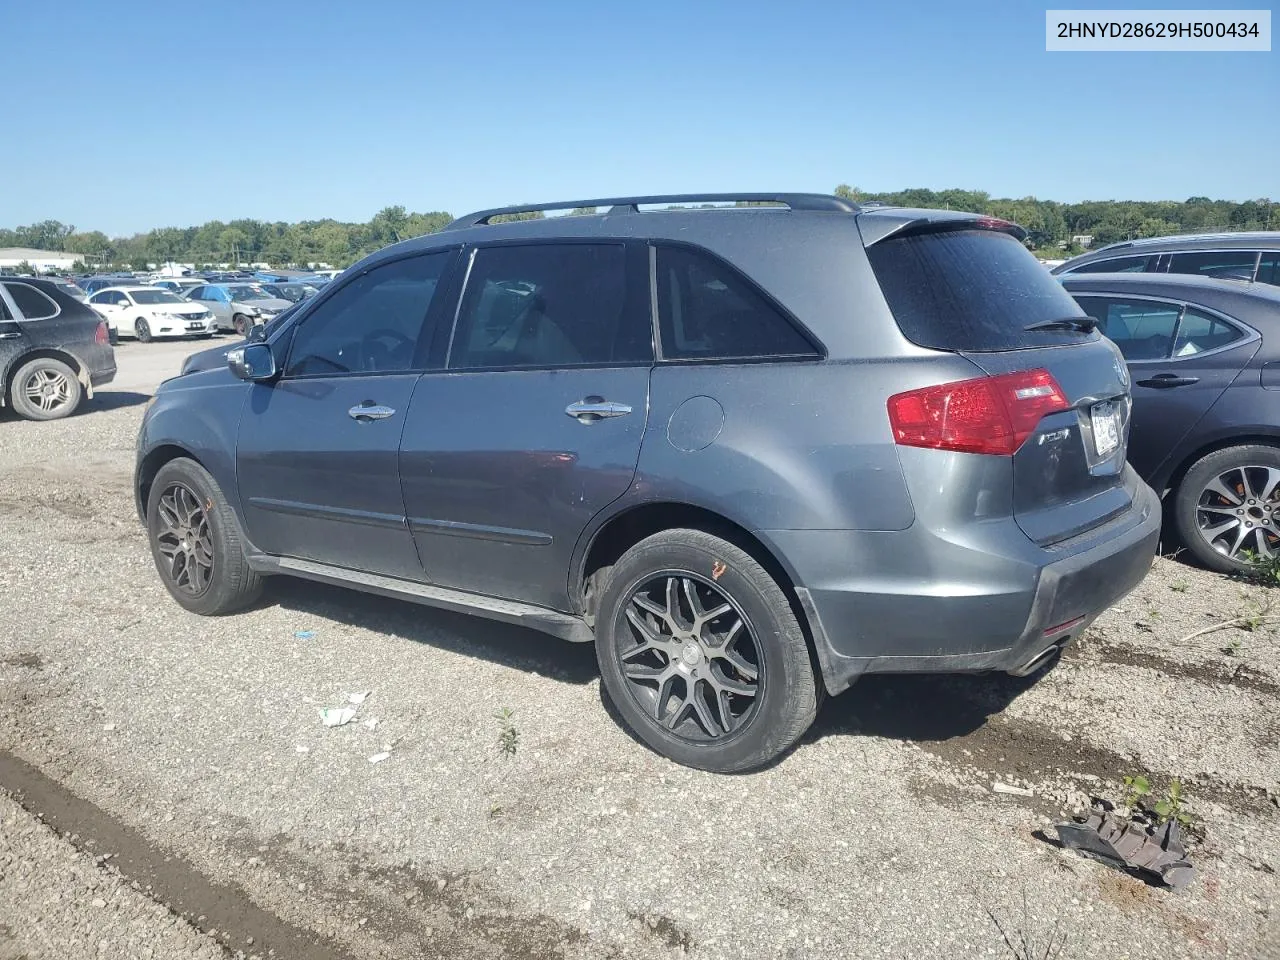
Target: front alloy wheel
(692,662)
(184,540)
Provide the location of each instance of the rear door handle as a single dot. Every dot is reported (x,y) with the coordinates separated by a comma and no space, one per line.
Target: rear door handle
(596,408)
(1162,381)
(9,336)
(369,411)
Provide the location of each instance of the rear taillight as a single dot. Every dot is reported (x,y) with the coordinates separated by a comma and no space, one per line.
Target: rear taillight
(101,336)
(988,415)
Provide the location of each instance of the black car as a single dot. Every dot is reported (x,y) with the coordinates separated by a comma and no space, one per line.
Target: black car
(1253,255)
(53,349)
(1204,355)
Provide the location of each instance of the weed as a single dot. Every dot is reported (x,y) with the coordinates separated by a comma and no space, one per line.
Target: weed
(1180,587)
(508,735)
(1231,647)
(1136,789)
(1263,569)
(1024,947)
(1153,614)
(1170,808)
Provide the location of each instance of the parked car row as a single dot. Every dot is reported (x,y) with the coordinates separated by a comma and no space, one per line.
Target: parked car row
(1250,256)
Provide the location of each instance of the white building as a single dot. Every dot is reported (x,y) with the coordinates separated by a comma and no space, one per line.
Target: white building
(46,261)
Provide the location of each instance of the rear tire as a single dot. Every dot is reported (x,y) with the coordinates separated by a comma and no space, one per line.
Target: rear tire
(45,389)
(1204,502)
(142,330)
(754,681)
(196,543)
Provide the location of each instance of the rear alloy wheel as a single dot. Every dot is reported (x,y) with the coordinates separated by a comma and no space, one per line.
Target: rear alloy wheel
(701,653)
(1227,508)
(45,389)
(142,330)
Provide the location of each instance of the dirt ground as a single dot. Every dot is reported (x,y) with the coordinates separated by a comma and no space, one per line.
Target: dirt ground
(173,793)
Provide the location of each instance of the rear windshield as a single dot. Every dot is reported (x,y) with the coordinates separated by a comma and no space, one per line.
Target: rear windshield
(974,290)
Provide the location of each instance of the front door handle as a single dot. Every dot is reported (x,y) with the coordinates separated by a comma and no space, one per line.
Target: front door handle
(369,411)
(1163,381)
(593,409)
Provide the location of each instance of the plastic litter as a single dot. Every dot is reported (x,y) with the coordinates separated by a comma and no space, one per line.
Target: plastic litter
(1012,790)
(301,749)
(1153,851)
(337,716)
(303,634)
(379,757)
(358,698)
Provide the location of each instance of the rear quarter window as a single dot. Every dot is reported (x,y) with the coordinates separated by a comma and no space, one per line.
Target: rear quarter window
(971,290)
(34,304)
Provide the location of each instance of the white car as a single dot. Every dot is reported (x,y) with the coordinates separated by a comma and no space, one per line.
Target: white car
(150,312)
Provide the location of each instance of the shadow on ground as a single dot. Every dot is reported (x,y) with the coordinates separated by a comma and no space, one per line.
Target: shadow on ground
(113,400)
(501,643)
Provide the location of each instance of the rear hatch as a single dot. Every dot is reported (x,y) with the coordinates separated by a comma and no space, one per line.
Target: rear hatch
(968,286)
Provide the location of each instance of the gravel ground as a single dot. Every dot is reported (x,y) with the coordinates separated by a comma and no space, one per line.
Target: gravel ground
(879,836)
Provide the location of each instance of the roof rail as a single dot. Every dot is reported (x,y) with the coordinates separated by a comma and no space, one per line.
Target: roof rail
(795,201)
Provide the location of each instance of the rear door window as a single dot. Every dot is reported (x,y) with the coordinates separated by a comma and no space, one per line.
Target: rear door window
(1142,329)
(1232,264)
(549,305)
(1116,265)
(708,311)
(33,304)
(971,290)
(1269,268)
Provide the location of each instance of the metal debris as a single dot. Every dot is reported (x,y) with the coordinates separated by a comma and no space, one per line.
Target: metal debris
(1155,851)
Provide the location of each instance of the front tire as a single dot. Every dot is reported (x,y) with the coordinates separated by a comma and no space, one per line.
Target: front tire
(1228,506)
(240,324)
(142,330)
(702,655)
(45,389)
(195,542)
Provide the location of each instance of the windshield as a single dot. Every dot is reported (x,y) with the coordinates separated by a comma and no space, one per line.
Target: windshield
(247,292)
(154,296)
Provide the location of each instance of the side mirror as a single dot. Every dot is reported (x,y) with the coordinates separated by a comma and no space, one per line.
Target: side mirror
(253,361)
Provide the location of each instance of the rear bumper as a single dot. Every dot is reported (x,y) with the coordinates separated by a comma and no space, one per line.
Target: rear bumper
(915,601)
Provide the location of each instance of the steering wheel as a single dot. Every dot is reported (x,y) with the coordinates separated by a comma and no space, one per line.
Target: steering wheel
(377,339)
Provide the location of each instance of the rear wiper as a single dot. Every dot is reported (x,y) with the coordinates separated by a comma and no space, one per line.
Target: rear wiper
(1083,324)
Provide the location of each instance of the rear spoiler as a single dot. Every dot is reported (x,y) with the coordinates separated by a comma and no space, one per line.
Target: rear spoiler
(876,225)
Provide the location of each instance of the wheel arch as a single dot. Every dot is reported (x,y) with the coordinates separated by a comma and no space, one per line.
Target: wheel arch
(51,353)
(624,529)
(149,466)
(1257,436)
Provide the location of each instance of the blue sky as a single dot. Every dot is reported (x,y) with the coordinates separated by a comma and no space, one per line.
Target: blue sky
(288,110)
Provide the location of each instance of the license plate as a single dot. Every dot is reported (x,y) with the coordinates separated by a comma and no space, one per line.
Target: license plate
(195,325)
(1106,427)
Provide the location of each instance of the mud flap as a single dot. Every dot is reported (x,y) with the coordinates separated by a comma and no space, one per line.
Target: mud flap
(1156,852)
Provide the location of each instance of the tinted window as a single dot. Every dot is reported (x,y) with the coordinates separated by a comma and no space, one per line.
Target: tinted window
(1233,264)
(1114,265)
(1199,332)
(1142,329)
(33,304)
(549,305)
(1269,268)
(4,311)
(101,298)
(154,297)
(971,290)
(706,310)
(197,293)
(373,324)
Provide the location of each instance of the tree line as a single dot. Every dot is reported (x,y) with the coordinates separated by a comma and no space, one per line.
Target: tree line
(1051,227)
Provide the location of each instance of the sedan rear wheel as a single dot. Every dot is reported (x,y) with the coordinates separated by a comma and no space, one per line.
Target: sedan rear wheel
(1228,508)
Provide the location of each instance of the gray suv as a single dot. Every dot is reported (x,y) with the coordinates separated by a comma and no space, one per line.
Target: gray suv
(749,453)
